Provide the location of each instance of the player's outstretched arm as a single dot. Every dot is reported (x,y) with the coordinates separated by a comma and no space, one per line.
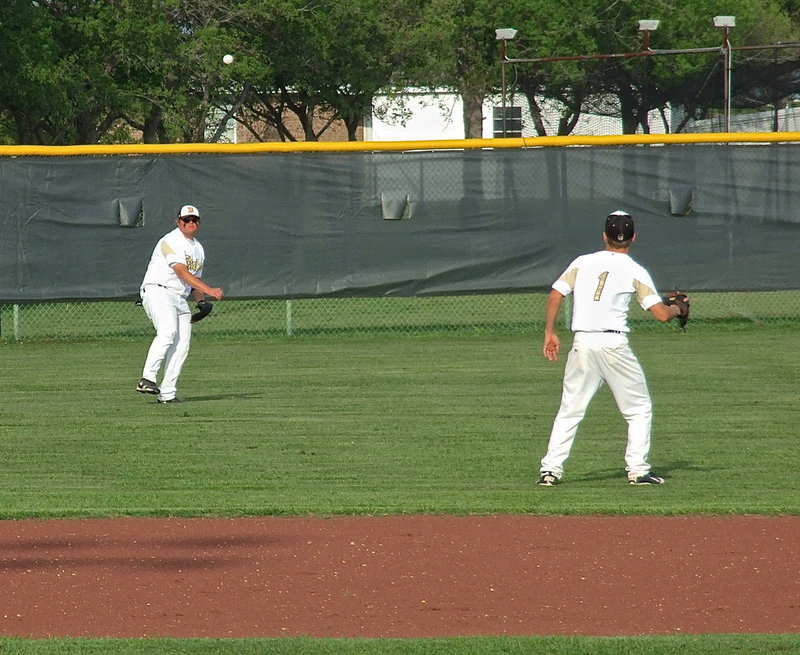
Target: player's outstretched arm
(195,282)
(664,312)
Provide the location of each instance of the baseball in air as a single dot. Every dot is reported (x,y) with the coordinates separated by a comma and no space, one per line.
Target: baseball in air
(227,59)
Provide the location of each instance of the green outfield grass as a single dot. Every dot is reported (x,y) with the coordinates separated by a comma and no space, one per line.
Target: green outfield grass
(667,645)
(382,425)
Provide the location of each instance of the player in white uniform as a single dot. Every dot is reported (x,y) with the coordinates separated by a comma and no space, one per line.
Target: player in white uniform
(172,275)
(602,284)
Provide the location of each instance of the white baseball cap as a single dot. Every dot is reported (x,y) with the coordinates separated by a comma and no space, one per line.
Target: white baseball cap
(188,210)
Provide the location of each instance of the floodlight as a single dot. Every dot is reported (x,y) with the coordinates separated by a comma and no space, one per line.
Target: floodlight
(726,22)
(505,33)
(649,25)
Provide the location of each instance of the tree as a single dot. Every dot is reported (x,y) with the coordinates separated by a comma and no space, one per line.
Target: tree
(181,86)
(85,71)
(360,46)
(639,84)
(33,101)
(556,29)
(75,72)
(317,62)
(696,80)
(456,49)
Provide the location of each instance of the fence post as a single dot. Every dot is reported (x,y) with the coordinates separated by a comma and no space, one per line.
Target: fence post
(289,318)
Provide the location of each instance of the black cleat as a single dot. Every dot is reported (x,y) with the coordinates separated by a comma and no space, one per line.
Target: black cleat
(145,386)
(548,479)
(647,478)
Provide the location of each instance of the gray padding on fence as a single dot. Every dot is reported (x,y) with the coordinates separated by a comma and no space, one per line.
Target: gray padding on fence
(709,217)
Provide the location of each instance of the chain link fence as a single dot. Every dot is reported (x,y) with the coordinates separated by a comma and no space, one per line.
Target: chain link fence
(465,315)
(711,196)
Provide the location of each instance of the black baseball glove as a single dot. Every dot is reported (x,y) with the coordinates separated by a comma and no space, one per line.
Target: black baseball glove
(204,308)
(682,301)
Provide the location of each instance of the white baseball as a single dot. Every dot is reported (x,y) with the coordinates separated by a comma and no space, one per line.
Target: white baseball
(227,59)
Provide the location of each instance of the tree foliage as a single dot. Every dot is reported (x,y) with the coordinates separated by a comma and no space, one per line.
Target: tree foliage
(34,103)
(639,84)
(317,61)
(89,71)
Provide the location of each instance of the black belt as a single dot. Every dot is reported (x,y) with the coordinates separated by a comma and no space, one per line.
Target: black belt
(600,331)
(142,290)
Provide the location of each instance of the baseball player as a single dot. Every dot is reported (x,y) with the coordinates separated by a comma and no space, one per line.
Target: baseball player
(173,274)
(602,284)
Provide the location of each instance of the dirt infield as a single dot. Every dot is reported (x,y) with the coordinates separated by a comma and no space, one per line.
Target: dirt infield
(399,576)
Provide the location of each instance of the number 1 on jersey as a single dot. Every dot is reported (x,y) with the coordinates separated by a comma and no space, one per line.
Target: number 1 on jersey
(601,282)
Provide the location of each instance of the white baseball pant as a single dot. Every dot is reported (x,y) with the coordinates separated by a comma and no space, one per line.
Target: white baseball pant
(171,317)
(594,358)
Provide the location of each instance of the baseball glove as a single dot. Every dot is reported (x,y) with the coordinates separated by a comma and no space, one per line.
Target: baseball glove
(204,308)
(682,301)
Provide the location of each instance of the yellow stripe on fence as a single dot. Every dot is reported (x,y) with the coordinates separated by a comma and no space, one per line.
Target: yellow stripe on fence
(377,146)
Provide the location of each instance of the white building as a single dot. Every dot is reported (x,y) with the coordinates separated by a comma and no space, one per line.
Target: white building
(431,116)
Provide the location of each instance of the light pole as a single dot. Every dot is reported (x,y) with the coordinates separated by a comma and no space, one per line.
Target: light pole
(504,34)
(645,27)
(726,23)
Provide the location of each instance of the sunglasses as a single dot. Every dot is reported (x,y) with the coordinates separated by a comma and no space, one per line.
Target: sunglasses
(190,219)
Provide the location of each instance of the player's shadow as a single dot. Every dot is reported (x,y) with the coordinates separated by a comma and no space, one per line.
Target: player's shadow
(221,396)
(663,469)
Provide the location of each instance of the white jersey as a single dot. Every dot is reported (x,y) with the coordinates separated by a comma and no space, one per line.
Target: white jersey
(174,248)
(602,284)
